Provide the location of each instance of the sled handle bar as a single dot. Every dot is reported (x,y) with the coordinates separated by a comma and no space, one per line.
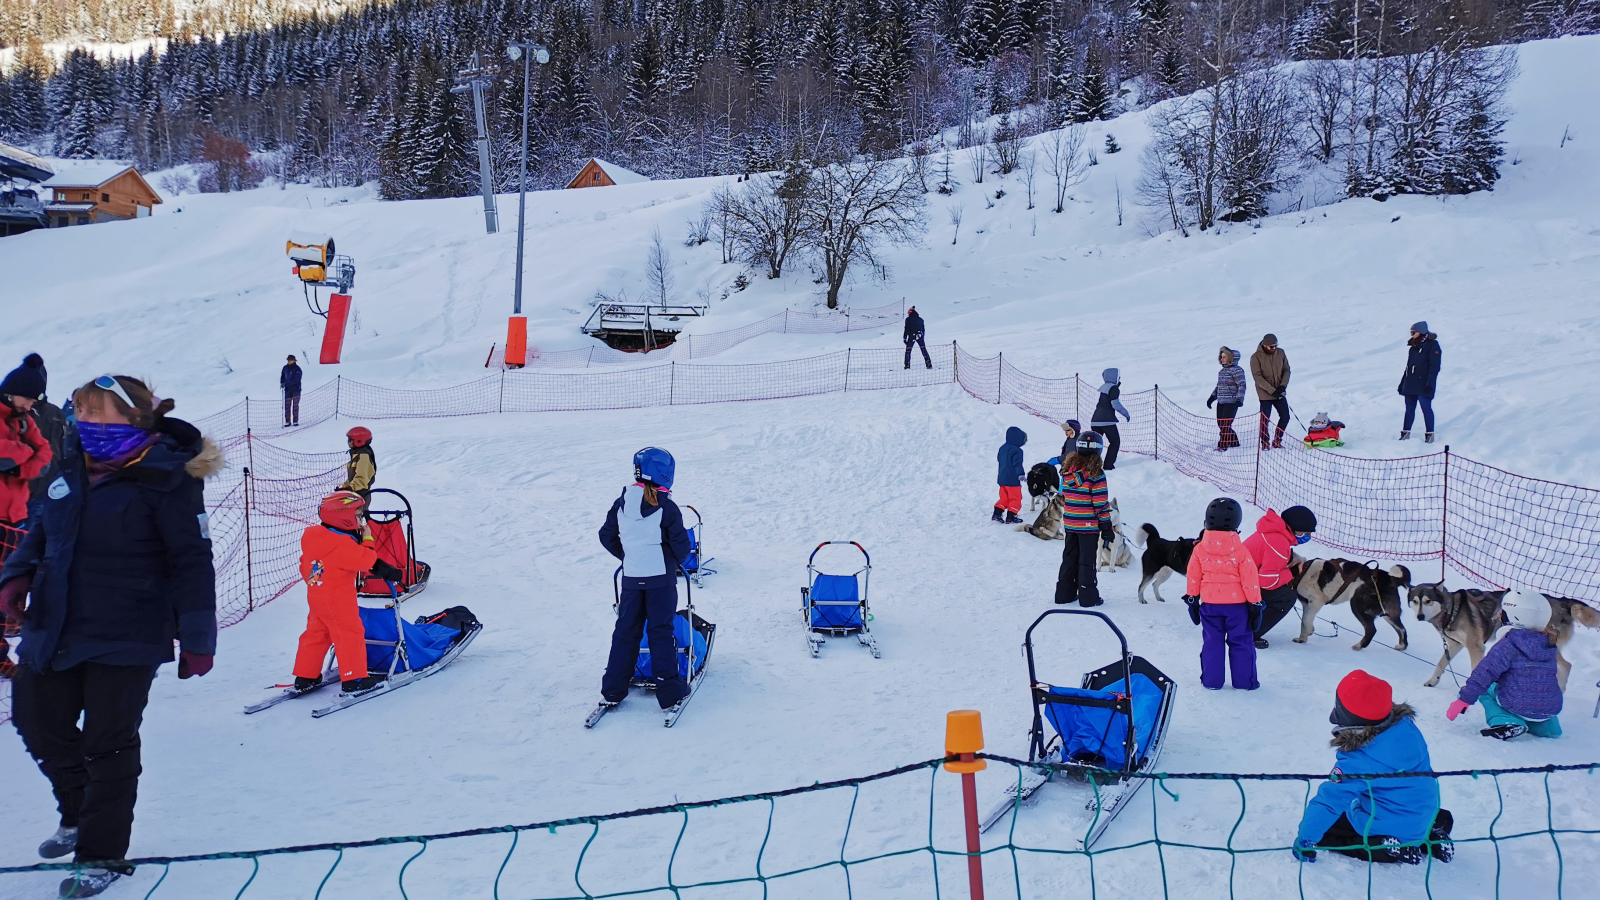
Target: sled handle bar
(392,513)
(863,550)
(1127,659)
(616,587)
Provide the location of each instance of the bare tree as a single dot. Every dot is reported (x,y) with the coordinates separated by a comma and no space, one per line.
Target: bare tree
(1007,145)
(855,208)
(1159,188)
(1063,159)
(1325,98)
(658,270)
(1028,162)
(763,223)
(979,158)
(956,211)
(919,163)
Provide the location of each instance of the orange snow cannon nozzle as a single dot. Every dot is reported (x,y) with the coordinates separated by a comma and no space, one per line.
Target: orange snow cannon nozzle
(963,737)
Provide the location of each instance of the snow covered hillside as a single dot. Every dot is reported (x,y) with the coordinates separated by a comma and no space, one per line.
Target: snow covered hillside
(200,298)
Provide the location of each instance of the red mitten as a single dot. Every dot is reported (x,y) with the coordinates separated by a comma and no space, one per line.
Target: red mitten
(193,664)
(13,597)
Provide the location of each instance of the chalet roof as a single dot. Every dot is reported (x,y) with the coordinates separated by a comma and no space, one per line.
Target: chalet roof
(618,174)
(89,173)
(69,207)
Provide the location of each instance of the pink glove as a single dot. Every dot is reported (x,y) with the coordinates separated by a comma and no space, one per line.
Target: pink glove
(12,596)
(1456,708)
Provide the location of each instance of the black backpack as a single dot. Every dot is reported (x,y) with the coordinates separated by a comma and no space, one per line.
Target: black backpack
(1043,479)
(457,617)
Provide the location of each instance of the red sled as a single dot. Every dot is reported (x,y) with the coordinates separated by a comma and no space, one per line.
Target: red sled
(391,530)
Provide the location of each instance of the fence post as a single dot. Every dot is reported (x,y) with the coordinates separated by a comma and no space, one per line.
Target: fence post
(249,552)
(672,382)
(1000,377)
(1077,405)
(786,321)
(955,359)
(247,415)
(1444,517)
(502,391)
(1158,422)
(338,382)
(1255,487)
(847,368)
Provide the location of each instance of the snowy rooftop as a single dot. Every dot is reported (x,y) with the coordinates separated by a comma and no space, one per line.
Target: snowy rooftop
(87,173)
(618,174)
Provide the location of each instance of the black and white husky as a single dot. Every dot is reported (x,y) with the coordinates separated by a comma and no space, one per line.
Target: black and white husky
(1372,593)
(1161,559)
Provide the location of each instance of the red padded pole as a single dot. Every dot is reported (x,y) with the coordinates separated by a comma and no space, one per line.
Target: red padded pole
(333,335)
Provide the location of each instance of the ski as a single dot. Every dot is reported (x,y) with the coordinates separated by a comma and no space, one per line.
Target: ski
(676,710)
(599,713)
(289,693)
(1017,793)
(400,679)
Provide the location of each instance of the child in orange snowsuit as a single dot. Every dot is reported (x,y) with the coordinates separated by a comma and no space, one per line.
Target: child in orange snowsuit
(333,557)
(1225,598)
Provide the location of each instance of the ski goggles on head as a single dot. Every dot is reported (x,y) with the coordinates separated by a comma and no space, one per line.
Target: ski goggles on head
(110,383)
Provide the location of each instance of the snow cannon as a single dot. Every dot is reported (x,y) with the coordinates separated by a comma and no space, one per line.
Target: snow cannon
(318,265)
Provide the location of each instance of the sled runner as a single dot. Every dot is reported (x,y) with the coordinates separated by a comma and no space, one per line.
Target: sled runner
(836,605)
(396,545)
(401,652)
(1103,732)
(693,637)
(695,567)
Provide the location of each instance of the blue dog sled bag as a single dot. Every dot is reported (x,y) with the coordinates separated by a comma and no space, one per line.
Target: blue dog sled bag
(680,636)
(1091,733)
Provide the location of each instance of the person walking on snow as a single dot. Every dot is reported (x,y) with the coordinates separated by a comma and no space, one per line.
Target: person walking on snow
(118,563)
(1516,680)
(1011,477)
(362,469)
(289,380)
(645,530)
(1106,411)
(1228,395)
(1269,366)
(914,334)
(1272,549)
(1085,518)
(1381,820)
(333,557)
(1223,586)
(1420,380)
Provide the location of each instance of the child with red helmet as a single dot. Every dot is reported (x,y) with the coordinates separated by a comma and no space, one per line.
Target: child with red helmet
(333,556)
(362,469)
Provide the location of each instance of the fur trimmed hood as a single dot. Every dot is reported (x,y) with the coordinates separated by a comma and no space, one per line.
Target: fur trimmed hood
(207,463)
(1349,740)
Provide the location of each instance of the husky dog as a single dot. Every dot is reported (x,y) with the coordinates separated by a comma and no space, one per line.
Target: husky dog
(1117,554)
(1370,591)
(1161,559)
(1048,526)
(1044,482)
(1563,613)
(1464,619)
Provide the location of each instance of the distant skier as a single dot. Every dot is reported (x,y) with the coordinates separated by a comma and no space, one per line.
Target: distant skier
(1085,518)
(1224,599)
(914,334)
(1381,820)
(1420,379)
(289,380)
(1228,395)
(1516,680)
(1269,367)
(1012,475)
(645,530)
(1105,415)
(362,469)
(333,557)
(1272,549)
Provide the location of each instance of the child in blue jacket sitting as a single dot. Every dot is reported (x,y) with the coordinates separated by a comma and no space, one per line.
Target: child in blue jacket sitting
(1516,680)
(1383,819)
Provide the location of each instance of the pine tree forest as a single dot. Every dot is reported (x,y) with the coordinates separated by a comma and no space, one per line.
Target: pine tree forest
(347,93)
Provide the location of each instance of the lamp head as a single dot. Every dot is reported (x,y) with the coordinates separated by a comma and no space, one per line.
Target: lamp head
(541,55)
(514,51)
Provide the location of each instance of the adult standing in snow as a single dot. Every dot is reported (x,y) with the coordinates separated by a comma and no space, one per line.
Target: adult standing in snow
(915,333)
(1228,395)
(1381,820)
(1223,588)
(1420,380)
(119,567)
(1106,411)
(1085,517)
(1272,549)
(1012,474)
(645,530)
(1269,367)
(289,380)
(362,469)
(1516,681)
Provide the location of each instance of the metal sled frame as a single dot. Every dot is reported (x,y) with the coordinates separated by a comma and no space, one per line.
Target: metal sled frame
(1108,795)
(705,629)
(816,636)
(422,569)
(394,678)
(700,570)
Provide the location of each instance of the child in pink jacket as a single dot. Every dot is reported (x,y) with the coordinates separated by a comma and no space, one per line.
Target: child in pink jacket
(1222,581)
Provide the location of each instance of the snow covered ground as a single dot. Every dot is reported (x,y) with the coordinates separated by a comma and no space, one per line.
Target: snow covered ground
(203,302)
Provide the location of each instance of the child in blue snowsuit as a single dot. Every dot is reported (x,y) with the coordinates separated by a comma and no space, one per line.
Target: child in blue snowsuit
(1516,680)
(1012,476)
(645,530)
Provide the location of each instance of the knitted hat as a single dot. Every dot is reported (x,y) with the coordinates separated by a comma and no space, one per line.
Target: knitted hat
(26,380)
(1420,327)
(1270,340)
(1299,519)
(1361,699)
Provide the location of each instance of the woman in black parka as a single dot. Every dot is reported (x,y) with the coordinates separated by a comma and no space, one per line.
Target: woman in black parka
(1420,379)
(118,566)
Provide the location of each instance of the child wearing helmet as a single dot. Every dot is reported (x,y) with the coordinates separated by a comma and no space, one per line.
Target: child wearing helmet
(1085,517)
(1223,587)
(1516,680)
(645,530)
(362,469)
(333,556)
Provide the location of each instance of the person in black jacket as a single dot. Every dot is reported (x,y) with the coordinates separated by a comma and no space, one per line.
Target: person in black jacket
(118,566)
(645,530)
(914,334)
(289,380)
(1421,378)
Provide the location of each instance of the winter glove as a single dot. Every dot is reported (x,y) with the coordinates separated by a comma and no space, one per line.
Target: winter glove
(193,664)
(1302,851)
(1107,533)
(8,465)
(388,572)
(13,597)
(1457,707)
(1211,399)
(1254,613)
(1193,603)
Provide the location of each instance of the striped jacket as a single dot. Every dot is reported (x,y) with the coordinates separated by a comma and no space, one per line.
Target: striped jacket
(1230,384)
(1083,502)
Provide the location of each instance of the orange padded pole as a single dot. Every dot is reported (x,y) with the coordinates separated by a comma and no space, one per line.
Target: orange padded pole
(963,738)
(517,342)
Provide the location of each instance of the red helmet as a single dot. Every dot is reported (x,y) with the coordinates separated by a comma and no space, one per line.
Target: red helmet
(359,436)
(343,510)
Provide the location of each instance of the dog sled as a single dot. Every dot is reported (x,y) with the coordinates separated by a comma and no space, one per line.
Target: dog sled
(695,567)
(836,605)
(1101,735)
(693,636)
(396,545)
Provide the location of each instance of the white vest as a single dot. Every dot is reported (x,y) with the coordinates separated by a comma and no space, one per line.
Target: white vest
(642,556)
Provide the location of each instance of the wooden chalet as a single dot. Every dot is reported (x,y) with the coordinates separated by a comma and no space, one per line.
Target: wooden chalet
(599,173)
(97,191)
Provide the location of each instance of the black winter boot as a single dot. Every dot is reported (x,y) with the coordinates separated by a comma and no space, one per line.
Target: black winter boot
(1427,438)
(1405,435)
(1012,519)
(360,685)
(1504,732)
(306,684)
(998,514)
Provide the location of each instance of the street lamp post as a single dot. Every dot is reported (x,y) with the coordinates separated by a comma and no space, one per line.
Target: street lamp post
(517,328)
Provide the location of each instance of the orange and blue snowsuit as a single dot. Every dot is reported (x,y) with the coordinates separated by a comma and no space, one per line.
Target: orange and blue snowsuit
(331,562)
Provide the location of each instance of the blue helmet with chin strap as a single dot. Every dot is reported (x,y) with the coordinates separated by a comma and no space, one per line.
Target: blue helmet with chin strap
(654,465)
